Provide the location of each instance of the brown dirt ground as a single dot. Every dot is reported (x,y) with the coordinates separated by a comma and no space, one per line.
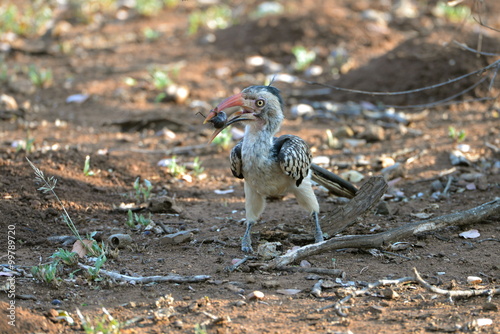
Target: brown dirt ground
(411,53)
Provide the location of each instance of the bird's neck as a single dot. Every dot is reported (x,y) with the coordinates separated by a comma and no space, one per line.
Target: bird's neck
(259,138)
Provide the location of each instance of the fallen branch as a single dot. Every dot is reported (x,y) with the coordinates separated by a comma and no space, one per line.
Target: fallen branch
(366,197)
(383,282)
(172,278)
(339,309)
(454,293)
(470,216)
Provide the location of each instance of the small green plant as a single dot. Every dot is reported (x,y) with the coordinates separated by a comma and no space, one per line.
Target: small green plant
(142,191)
(26,145)
(457,13)
(303,57)
(175,169)
(215,17)
(151,35)
(27,20)
(40,77)
(197,169)
(148,7)
(224,138)
(93,272)
(100,325)
(200,329)
(48,184)
(160,79)
(47,272)
(458,136)
(86,167)
(133,219)
(66,257)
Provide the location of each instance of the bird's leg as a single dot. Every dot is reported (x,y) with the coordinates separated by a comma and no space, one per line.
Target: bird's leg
(254,206)
(318,234)
(246,242)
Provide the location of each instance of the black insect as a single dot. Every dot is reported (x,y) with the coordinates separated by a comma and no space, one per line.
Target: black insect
(219,120)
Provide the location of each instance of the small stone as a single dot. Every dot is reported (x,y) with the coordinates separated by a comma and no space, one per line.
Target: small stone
(384,162)
(176,238)
(394,171)
(390,294)
(343,132)
(239,303)
(255,295)
(373,133)
(490,307)
(437,186)
(300,110)
(474,280)
(178,324)
(164,204)
(56,302)
(376,309)
(269,250)
(270,284)
(383,208)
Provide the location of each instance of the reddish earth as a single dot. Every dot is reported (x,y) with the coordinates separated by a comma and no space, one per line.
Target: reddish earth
(408,53)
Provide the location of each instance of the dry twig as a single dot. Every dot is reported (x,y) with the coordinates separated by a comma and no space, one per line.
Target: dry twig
(466,217)
(454,293)
(172,278)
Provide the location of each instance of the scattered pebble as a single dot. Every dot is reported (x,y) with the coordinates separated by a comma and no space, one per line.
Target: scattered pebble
(56,302)
(256,295)
(471,234)
(373,133)
(269,250)
(473,280)
(299,110)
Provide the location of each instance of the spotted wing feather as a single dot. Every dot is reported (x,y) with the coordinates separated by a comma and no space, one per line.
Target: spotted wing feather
(294,156)
(236,161)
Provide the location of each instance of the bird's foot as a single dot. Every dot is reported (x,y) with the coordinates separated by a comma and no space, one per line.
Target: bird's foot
(318,237)
(318,234)
(246,247)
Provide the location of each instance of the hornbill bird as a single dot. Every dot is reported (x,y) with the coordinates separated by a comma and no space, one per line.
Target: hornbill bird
(270,165)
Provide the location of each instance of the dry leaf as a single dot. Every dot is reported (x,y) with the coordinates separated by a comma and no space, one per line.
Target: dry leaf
(80,248)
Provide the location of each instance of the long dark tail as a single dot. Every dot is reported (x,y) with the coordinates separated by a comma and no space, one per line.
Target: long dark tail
(334,183)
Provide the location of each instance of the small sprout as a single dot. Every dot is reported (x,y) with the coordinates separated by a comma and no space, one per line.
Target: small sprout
(86,167)
(197,169)
(93,272)
(160,79)
(224,138)
(458,136)
(215,17)
(142,191)
(175,169)
(47,272)
(133,219)
(151,34)
(40,77)
(66,257)
(105,324)
(303,57)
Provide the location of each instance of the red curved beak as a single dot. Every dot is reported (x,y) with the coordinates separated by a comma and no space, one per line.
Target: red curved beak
(232,101)
(236,100)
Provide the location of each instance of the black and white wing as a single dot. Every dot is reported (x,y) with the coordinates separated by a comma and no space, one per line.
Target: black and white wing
(236,161)
(294,156)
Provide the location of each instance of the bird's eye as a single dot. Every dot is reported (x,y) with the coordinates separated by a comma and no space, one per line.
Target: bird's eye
(260,103)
